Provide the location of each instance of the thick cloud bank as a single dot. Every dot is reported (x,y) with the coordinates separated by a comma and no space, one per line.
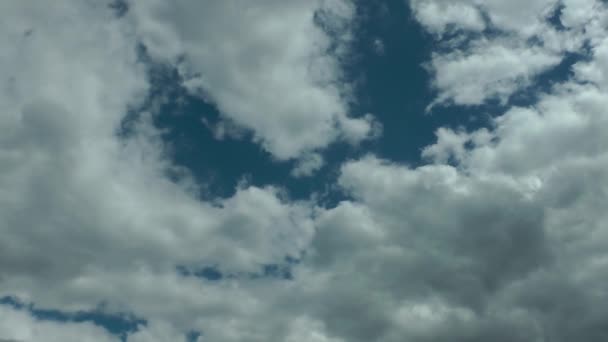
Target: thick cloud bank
(500,236)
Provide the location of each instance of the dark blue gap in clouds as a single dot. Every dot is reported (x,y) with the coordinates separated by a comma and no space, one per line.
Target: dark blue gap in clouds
(543,83)
(193,336)
(119,7)
(395,86)
(117,324)
(279,271)
(210,273)
(217,165)
(555,17)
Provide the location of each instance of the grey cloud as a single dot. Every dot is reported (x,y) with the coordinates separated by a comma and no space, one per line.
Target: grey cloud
(475,261)
(463,248)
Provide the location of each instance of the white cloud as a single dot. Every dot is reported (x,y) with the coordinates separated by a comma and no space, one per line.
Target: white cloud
(564,124)
(476,65)
(596,70)
(305,329)
(505,244)
(437,253)
(266,65)
(578,12)
(307,165)
(437,15)
(489,69)
(90,217)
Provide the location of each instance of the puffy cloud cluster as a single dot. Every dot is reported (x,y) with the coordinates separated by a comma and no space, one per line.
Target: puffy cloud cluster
(501,236)
(88,216)
(494,48)
(272,67)
(477,15)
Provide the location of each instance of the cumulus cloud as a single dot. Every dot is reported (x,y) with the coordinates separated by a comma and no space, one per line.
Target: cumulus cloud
(499,237)
(494,49)
(424,251)
(489,69)
(437,15)
(93,213)
(272,67)
(503,244)
(308,165)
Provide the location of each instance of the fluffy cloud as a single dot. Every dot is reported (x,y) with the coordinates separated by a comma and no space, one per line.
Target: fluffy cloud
(308,165)
(88,216)
(270,66)
(505,244)
(438,15)
(420,254)
(508,245)
(488,69)
(494,49)
(500,237)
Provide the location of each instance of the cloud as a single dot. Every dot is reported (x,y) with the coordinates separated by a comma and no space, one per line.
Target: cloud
(308,165)
(438,15)
(19,326)
(503,244)
(491,49)
(499,237)
(478,251)
(90,217)
(271,67)
(488,69)
(430,246)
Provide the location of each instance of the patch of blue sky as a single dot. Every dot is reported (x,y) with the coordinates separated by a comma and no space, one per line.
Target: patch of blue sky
(117,324)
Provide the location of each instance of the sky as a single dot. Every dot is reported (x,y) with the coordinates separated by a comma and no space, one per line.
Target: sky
(303,170)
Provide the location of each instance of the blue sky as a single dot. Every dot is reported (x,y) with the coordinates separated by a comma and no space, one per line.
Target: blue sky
(323,170)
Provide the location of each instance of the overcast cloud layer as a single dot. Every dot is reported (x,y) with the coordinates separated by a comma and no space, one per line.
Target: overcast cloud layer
(500,236)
